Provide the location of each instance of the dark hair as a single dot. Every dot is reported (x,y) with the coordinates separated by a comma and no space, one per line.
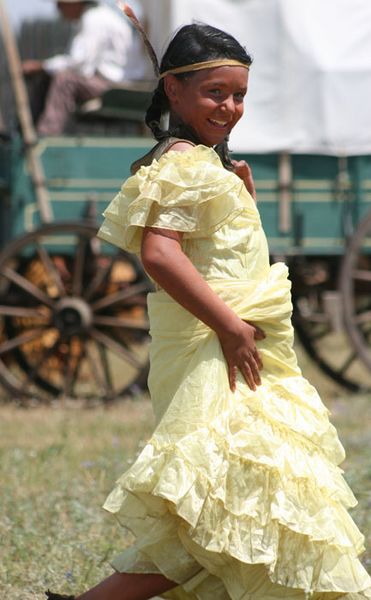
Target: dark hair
(192,44)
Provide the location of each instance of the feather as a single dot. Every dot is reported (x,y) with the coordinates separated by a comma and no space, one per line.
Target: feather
(128,11)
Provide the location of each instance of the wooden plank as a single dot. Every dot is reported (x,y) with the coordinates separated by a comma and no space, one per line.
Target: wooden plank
(24,115)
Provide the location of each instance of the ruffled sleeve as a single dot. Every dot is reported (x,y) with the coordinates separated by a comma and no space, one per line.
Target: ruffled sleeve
(187,191)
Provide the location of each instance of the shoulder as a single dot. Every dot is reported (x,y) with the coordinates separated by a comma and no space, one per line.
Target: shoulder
(180,146)
(179,154)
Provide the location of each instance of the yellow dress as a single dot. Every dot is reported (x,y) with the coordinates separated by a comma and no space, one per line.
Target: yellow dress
(235,495)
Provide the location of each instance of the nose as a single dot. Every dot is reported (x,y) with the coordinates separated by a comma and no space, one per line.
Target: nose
(228,104)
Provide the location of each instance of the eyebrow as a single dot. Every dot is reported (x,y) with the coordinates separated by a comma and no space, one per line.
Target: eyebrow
(216,83)
(223,84)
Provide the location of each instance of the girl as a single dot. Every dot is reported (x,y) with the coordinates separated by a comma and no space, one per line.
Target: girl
(237,494)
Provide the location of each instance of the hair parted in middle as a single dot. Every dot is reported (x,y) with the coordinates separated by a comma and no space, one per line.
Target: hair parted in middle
(192,44)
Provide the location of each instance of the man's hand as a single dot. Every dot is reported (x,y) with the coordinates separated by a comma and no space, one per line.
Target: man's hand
(30,67)
(242,169)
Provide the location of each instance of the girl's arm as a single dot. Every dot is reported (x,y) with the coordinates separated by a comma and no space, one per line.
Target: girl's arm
(165,262)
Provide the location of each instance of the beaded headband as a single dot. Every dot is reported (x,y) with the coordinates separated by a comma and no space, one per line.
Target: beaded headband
(206,64)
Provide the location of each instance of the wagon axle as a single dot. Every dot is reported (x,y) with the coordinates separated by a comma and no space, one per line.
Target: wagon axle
(72,316)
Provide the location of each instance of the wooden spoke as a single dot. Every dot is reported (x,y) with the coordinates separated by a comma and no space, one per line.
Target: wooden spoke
(21,311)
(27,286)
(117,297)
(120,322)
(108,384)
(98,369)
(70,371)
(115,347)
(19,340)
(348,362)
(315,336)
(33,373)
(50,269)
(97,280)
(78,270)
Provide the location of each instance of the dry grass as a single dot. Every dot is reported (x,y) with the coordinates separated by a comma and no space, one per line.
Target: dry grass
(58,463)
(57,466)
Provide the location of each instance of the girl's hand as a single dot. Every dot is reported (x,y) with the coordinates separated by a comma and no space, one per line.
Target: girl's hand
(240,352)
(242,169)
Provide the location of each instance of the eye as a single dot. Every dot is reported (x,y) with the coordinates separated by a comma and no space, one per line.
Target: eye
(240,96)
(216,91)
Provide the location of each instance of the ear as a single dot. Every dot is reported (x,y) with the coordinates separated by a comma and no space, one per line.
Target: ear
(172,88)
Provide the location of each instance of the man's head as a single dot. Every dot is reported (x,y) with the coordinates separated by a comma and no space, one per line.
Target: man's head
(71,10)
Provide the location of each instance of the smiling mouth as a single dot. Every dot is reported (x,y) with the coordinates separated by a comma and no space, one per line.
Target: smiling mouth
(220,124)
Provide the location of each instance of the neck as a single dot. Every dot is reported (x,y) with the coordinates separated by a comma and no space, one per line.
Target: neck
(177,128)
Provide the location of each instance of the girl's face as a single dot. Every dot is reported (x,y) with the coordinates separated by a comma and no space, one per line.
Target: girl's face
(211,101)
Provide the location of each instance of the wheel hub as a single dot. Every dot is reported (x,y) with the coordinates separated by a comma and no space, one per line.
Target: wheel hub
(72,315)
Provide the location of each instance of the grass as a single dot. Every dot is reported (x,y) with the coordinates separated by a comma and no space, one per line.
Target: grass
(58,463)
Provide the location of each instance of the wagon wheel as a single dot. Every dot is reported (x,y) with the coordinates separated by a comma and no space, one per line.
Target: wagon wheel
(355,286)
(318,323)
(73,319)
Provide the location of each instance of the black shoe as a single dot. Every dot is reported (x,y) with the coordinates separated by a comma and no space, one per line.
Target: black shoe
(51,596)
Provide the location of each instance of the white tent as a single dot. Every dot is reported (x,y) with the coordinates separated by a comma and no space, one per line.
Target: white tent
(310,83)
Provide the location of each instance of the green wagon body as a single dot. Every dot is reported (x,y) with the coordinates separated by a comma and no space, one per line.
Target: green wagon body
(324,204)
(322,207)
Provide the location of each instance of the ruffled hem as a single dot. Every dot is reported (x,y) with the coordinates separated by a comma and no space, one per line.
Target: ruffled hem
(179,514)
(187,191)
(244,493)
(206,498)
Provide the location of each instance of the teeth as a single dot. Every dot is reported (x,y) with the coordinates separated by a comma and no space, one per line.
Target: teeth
(221,123)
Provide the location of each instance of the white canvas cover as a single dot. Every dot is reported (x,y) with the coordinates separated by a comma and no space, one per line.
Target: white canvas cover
(310,83)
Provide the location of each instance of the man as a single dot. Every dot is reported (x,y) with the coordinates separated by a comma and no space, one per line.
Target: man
(104,51)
